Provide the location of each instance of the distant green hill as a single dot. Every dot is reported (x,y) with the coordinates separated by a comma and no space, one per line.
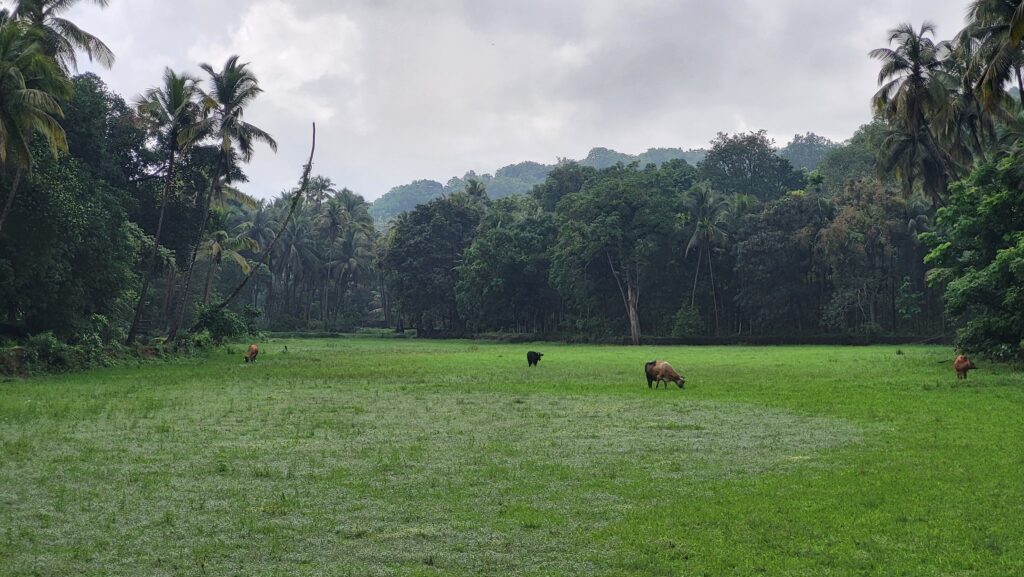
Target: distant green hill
(512,179)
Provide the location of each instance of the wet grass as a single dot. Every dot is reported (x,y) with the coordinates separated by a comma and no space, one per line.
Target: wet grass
(380,457)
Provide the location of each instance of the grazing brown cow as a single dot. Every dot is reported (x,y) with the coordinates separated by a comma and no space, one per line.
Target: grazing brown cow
(662,372)
(250,356)
(961,365)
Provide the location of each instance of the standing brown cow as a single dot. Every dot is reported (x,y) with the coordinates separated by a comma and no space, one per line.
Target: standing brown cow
(250,355)
(961,365)
(662,372)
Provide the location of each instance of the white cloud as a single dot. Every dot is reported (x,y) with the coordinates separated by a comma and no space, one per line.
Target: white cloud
(408,89)
(294,55)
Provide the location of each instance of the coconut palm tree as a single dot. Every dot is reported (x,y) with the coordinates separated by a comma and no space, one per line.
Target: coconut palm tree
(61,37)
(963,127)
(708,214)
(234,88)
(221,244)
(911,89)
(320,189)
(170,111)
(30,86)
(476,189)
(998,26)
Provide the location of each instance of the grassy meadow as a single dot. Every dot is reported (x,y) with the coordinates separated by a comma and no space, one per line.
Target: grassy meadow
(400,457)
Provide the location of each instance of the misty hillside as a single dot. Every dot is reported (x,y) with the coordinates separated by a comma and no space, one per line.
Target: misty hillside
(513,179)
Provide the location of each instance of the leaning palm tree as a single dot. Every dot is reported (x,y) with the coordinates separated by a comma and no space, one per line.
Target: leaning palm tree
(170,112)
(30,86)
(911,89)
(61,37)
(234,88)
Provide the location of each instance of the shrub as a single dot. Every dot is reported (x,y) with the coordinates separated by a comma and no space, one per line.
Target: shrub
(198,341)
(688,322)
(221,325)
(45,352)
(250,314)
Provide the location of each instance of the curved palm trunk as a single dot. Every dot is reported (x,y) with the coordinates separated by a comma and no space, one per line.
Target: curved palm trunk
(134,329)
(295,203)
(10,197)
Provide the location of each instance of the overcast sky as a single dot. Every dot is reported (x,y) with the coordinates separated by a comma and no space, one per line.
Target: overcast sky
(410,89)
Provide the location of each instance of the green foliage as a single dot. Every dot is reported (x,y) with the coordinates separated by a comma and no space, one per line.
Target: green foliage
(977,252)
(564,179)
(776,248)
(222,324)
(503,283)
(31,85)
(422,260)
(688,322)
(857,158)
(806,151)
(747,164)
(611,234)
(404,198)
(73,247)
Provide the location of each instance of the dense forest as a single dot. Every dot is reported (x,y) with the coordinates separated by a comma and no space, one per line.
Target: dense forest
(124,221)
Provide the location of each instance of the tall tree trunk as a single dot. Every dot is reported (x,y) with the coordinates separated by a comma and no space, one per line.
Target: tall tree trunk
(714,295)
(10,196)
(268,305)
(696,275)
(152,255)
(630,297)
(172,277)
(633,300)
(975,129)
(183,299)
(1020,85)
(384,299)
(209,281)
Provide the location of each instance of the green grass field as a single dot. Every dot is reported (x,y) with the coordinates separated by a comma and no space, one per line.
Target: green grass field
(394,457)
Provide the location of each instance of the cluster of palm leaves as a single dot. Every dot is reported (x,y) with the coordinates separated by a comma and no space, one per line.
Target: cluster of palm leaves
(325,253)
(37,53)
(946,102)
(182,115)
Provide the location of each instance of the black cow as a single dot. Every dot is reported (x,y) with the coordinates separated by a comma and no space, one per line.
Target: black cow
(532,358)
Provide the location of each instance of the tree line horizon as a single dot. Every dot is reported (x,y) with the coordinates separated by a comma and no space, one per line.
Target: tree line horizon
(122,221)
